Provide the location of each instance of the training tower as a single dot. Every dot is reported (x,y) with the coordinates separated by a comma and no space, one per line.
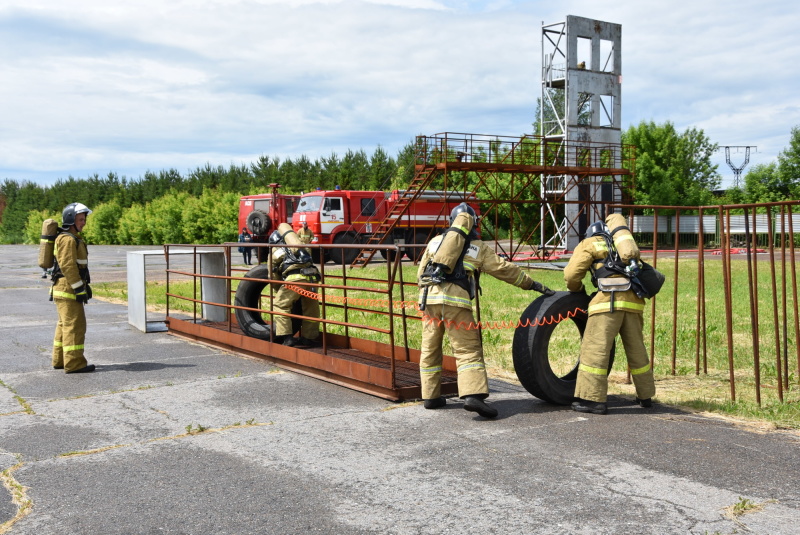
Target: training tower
(581,101)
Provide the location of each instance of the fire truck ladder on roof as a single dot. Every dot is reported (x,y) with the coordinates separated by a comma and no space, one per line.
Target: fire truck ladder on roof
(420,181)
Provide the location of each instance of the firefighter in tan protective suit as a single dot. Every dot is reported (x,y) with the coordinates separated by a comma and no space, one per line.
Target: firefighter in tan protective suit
(293,264)
(615,309)
(446,292)
(70,291)
(305,234)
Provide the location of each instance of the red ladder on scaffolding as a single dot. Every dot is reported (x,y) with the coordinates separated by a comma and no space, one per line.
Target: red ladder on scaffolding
(420,181)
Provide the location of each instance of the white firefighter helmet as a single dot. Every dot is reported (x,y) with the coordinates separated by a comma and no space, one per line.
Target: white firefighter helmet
(70,212)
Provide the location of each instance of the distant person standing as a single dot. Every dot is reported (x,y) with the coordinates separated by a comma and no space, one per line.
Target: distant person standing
(305,234)
(247,252)
(70,291)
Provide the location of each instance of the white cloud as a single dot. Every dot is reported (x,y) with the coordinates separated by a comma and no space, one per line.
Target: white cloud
(126,87)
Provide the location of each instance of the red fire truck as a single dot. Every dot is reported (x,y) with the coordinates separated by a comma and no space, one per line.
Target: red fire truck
(262,213)
(351,217)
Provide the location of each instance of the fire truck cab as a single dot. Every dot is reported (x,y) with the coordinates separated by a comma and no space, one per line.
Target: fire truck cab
(351,217)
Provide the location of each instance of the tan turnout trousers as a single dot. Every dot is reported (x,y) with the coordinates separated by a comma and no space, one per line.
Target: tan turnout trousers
(601,329)
(70,335)
(284,300)
(467,350)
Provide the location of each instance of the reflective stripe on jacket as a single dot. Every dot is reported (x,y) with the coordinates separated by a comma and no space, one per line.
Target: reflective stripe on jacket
(478,258)
(591,251)
(72,256)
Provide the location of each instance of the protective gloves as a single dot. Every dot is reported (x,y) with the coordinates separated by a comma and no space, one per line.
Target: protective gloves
(541,288)
(80,294)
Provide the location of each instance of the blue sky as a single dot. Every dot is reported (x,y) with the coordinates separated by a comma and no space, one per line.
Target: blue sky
(107,86)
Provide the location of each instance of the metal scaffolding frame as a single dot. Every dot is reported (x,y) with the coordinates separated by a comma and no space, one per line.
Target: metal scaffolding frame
(580,103)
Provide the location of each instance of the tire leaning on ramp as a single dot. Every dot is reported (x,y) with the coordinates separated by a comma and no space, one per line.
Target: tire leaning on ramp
(531,346)
(247,295)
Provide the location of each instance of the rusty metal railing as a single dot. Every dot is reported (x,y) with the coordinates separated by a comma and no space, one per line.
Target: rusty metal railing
(527,150)
(364,318)
(729,308)
(731,302)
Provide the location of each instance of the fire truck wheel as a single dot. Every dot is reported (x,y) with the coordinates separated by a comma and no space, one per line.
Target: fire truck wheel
(344,255)
(418,238)
(389,256)
(247,295)
(531,345)
(316,255)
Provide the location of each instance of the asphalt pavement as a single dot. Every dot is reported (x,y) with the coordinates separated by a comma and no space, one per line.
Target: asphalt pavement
(169,436)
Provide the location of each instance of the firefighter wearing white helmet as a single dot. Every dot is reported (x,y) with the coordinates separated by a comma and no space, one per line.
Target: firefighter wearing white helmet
(70,291)
(614,309)
(448,278)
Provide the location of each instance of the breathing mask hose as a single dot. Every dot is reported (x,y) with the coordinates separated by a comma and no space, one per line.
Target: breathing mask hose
(424,299)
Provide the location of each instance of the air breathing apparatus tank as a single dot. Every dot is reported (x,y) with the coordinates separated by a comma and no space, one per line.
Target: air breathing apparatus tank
(452,245)
(47,243)
(448,251)
(289,236)
(622,237)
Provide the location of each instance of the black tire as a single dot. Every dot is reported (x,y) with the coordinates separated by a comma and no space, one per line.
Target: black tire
(247,295)
(389,254)
(316,255)
(531,345)
(259,223)
(418,237)
(344,255)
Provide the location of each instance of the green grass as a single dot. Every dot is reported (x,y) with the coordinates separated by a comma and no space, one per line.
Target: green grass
(678,380)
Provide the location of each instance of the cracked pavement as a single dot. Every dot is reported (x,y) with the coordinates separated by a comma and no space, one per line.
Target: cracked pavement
(175,437)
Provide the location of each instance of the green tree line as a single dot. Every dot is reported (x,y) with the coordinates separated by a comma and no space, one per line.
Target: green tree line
(675,169)
(199,207)
(672,168)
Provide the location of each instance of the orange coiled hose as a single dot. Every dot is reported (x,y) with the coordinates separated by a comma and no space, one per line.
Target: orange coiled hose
(375,303)
(484,325)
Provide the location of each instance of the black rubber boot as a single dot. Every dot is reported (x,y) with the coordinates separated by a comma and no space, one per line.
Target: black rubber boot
(476,404)
(434,403)
(595,407)
(290,341)
(86,369)
(308,342)
(646,403)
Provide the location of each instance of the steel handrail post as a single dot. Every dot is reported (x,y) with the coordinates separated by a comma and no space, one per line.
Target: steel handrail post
(753,309)
(675,292)
(653,300)
(783,300)
(726,282)
(778,365)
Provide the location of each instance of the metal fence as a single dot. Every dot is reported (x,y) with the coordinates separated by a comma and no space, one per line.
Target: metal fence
(685,228)
(731,300)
